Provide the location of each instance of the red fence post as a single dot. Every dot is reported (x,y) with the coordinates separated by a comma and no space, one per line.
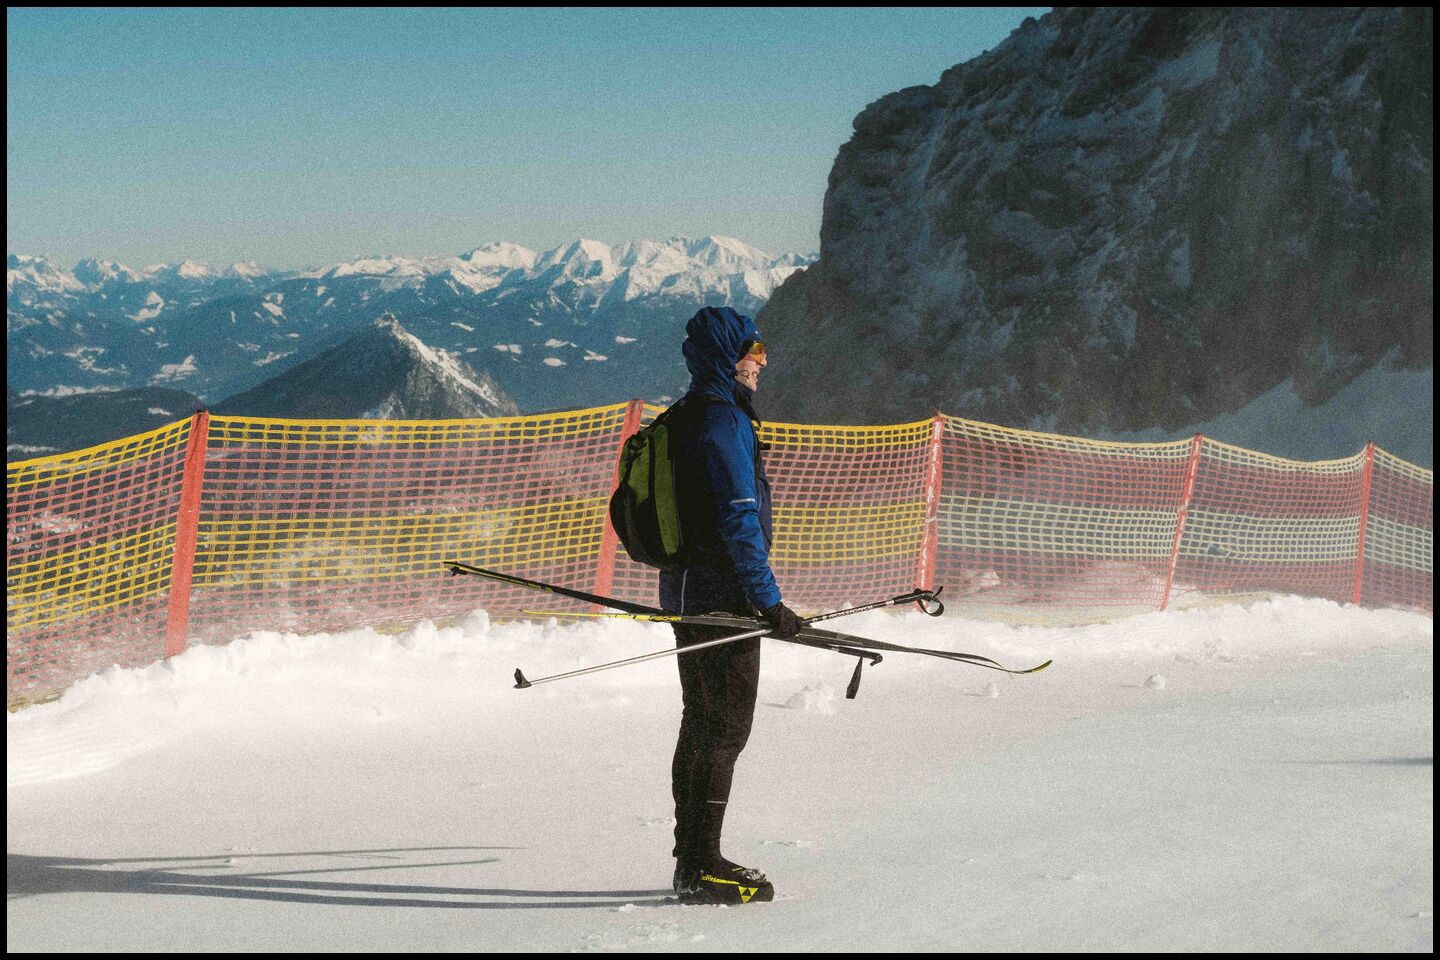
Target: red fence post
(187,525)
(930,533)
(1192,470)
(1357,595)
(605,564)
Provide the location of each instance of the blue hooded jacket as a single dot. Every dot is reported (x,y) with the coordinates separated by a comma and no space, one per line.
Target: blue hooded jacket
(724,493)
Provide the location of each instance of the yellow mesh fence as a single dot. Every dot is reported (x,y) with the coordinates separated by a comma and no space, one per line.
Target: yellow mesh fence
(90,543)
(329,520)
(322,524)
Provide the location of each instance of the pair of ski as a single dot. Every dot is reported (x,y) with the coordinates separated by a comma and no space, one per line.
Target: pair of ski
(861,648)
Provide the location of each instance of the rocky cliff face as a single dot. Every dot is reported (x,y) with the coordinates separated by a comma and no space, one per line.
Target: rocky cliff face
(1124,218)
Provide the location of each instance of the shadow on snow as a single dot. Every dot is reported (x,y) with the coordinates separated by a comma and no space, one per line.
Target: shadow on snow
(28,876)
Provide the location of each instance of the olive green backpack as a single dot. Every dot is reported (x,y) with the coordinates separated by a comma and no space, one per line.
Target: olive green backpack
(645,508)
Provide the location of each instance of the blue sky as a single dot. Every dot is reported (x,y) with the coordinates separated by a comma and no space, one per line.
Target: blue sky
(298,137)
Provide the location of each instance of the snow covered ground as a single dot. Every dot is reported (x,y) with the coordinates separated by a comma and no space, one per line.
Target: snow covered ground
(1233,778)
(1388,405)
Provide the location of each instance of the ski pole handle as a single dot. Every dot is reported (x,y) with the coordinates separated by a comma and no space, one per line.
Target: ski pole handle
(926,599)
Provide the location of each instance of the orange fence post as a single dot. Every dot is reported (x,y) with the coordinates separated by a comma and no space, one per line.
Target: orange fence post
(609,541)
(930,533)
(1191,472)
(1357,595)
(186,529)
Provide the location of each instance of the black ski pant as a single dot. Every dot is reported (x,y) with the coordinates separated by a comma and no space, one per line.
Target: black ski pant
(718,687)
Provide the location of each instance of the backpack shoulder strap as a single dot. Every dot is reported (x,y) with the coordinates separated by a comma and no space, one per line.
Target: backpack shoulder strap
(686,406)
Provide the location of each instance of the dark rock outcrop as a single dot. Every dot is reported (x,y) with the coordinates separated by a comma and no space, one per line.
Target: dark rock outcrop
(1125,218)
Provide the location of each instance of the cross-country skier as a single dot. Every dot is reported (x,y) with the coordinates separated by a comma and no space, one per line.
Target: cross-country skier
(724,504)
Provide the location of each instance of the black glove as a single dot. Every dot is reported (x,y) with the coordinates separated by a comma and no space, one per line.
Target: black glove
(783,622)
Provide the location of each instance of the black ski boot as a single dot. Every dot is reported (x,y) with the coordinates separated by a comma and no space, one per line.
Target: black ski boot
(687,879)
(722,882)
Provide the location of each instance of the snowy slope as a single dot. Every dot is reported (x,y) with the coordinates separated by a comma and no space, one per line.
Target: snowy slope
(1235,778)
(1390,406)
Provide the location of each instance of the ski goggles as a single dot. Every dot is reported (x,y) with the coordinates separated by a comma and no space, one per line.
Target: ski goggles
(753,350)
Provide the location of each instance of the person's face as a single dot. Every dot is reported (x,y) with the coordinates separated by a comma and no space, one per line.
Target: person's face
(747,371)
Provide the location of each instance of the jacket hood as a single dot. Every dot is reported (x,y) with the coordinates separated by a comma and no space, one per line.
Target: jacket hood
(713,339)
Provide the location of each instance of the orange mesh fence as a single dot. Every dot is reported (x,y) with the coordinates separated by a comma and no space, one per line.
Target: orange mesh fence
(850,510)
(310,525)
(89,553)
(849,513)
(1038,522)
(1263,524)
(1399,535)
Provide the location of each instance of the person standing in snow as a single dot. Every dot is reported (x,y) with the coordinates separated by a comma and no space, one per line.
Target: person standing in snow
(724,504)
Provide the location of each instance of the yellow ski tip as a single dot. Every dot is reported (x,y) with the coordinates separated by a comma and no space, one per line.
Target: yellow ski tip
(594,614)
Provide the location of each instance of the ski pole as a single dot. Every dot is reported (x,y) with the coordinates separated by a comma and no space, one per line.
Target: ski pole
(926,599)
(923,597)
(825,639)
(521,683)
(861,656)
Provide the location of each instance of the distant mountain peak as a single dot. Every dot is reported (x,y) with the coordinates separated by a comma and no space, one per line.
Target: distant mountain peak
(591,249)
(194,270)
(39,273)
(583,259)
(248,269)
(375,266)
(387,323)
(184,270)
(382,372)
(501,254)
(92,271)
(586,258)
(713,245)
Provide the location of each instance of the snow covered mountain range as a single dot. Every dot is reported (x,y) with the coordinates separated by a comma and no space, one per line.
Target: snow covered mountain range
(1123,219)
(583,323)
(381,372)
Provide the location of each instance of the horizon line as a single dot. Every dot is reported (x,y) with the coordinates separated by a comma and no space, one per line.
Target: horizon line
(275,267)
